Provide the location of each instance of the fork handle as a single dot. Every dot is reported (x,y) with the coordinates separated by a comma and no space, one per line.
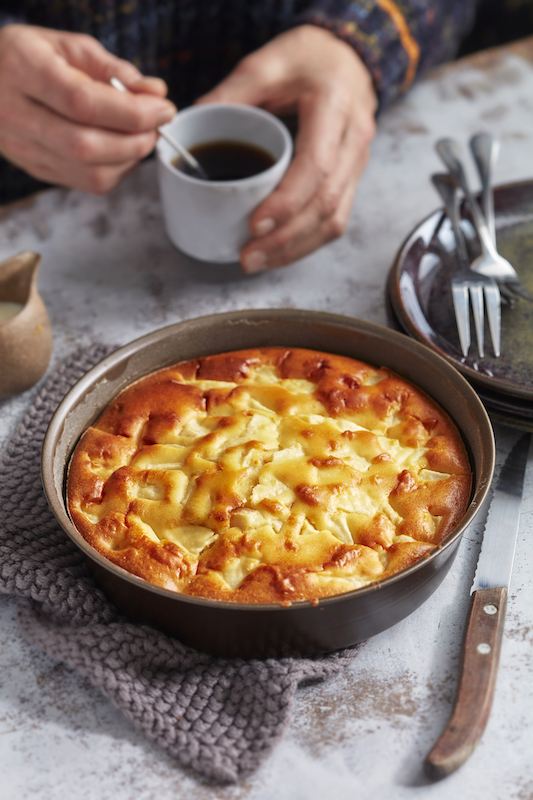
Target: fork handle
(448,150)
(446,186)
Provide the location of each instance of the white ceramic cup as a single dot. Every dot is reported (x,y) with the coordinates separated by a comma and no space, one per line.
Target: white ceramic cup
(209,219)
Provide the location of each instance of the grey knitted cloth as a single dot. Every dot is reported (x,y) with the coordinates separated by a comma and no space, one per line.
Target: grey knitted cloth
(221,717)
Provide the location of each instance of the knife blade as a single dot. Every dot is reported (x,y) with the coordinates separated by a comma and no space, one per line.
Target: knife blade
(484,629)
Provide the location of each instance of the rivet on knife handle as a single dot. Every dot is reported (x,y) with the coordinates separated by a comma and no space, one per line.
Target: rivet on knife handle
(476,684)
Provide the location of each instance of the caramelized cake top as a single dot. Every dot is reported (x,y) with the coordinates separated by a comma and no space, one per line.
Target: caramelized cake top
(268,475)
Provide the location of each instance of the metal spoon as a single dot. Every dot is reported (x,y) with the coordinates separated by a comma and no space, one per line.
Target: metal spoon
(485,149)
(188,157)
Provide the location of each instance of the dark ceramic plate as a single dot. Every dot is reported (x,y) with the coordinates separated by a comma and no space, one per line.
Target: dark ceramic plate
(236,629)
(420,300)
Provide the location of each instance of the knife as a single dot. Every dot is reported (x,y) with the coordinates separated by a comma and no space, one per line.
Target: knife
(484,629)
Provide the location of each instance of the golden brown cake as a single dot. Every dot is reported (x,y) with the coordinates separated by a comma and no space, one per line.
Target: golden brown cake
(268,475)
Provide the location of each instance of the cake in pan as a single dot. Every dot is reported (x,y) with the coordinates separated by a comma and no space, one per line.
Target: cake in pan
(268,476)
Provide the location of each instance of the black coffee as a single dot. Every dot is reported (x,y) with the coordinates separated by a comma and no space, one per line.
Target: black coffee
(226,160)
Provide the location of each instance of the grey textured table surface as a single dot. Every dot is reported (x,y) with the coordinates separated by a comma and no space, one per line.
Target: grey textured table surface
(109,274)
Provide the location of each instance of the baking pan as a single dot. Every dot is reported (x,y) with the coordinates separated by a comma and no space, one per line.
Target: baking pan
(303,628)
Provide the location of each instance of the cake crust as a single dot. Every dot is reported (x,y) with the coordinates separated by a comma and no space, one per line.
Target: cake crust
(268,475)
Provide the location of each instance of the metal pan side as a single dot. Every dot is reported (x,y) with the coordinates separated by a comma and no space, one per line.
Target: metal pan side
(237,630)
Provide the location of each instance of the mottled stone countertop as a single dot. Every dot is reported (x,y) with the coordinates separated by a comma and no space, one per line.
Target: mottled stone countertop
(109,274)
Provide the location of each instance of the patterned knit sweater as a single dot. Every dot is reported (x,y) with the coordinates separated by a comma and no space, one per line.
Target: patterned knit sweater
(193,44)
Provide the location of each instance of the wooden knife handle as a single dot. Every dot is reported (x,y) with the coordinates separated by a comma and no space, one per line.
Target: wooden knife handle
(476,684)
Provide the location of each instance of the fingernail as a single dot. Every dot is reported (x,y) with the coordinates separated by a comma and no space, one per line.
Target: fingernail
(264,226)
(254,261)
(166,114)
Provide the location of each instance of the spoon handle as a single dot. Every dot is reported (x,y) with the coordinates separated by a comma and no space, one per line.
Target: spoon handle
(485,149)
(188,157)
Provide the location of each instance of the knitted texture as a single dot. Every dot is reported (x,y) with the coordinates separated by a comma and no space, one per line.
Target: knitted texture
(221,717)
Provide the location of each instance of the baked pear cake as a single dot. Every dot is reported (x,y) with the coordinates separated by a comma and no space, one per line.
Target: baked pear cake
(268,476)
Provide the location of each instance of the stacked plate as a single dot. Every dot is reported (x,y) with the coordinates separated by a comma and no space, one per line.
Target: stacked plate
(420,303)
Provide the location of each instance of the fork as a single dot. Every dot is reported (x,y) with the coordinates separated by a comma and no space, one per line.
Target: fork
(469,284)
(490,262)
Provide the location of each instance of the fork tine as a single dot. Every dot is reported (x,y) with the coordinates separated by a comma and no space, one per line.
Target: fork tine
(467,286)
(462,315)
(476,298)
(493,303)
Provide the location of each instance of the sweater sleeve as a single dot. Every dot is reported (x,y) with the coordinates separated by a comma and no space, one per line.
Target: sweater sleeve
(398,40)
(12,11)
(9,19)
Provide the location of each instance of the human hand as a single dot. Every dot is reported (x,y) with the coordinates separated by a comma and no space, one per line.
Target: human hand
(61,121)
(310,71)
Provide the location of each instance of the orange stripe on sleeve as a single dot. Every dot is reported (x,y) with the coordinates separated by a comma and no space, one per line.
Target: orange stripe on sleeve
(409,43)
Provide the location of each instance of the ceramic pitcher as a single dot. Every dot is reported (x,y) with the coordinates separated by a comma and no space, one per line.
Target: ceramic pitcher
(26,336)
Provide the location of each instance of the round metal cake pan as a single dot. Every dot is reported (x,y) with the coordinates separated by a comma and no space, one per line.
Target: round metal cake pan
(260,631)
